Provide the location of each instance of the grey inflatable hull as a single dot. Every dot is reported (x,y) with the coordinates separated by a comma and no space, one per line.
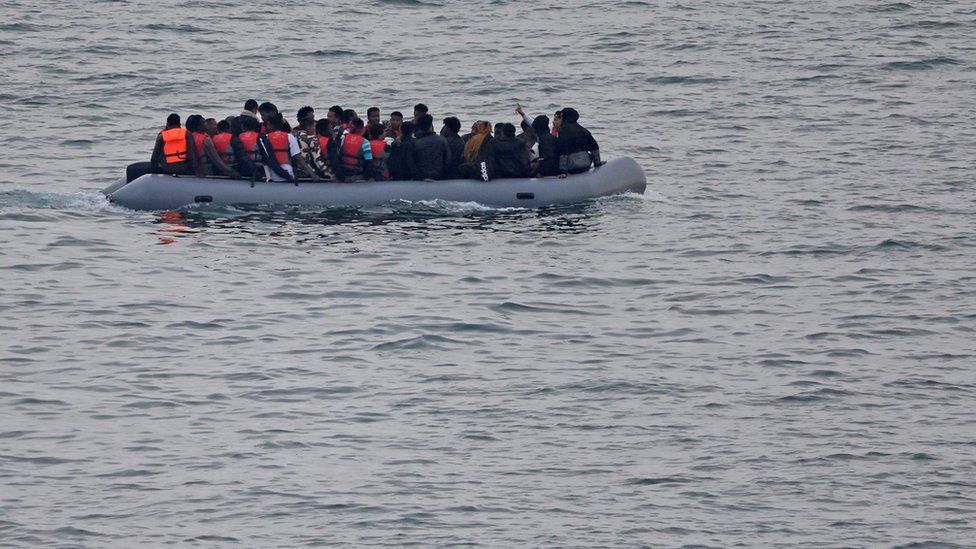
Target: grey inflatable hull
(166,192)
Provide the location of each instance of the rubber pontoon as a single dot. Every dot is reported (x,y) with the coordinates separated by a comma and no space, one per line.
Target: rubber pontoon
(168,192)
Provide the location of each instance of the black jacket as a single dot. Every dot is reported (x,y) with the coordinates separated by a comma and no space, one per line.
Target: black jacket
(574,138)
(456,147)
(548,156)
(400,163)
(508,157)
(432,156)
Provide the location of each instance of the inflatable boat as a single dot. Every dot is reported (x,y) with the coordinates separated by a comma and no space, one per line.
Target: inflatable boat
(169,192)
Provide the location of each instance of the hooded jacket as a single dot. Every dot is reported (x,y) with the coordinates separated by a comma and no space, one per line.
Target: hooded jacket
(432,156)
(508,157)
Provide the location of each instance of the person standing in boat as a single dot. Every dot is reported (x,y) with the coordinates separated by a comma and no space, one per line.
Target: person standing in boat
(250,109)
(576,147)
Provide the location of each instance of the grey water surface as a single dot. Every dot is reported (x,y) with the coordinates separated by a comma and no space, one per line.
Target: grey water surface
(773,347)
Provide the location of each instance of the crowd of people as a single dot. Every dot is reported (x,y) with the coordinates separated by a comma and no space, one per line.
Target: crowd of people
(260,143)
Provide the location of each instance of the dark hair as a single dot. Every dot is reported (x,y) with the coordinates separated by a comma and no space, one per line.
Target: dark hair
(509,129)
(276,122)
(250,104)
(541,124)
(194,122)
(425,122)
(570,115)
(223,126)
(347,116)
(303,112)
(453,123)
(397,114)
(336,109)
(173,120)
(235,125)
(322,126)
(371,110)
(376,131)
(558,114)
(499,129)
(249,123)
(268,107)
(421,108)
(209,120)
(407,128)
(358,123)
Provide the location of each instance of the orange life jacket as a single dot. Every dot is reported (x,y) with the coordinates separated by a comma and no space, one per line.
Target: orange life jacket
(279,145)
(198,139)
(174,145)
(248,139)
(352,144)
(221,142)
(323,144)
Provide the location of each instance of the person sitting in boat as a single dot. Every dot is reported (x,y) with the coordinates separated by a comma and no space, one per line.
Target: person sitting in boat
(547,164)
(372,117)
(335,112)
(400,163)
(576,147)
(174,152)
(393,126)
(209,161)
(356,156)
(380,150)
(431,153)
(250,109)
(306,136)
(221,141)
(268,110)
(279,151)
(322,165)
(304,120)
(419,110)
(475,165)
(507,155)
(452,126)
(243,144)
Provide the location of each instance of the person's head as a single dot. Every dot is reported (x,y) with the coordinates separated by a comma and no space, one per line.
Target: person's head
(373,115)
(335,112)
(267,110)
(194,123)
(173,121)
(508,129)
(251,105)
(323,126)
(211,125)
(396,120)
(425,123)
(234,125)
(569,116)
(249,124)
(499,129)
(305,113)
(223,126)
(419,110)
(557,119)
(375,132)
(356,126)
(451,125)
(347,116)
(407,129)
(275,123)
(541,124)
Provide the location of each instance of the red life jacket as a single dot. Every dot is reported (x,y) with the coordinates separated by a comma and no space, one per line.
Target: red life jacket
(352,145)
(198,139)
(379,156)
(248,139)
(323,144)
(221,142)
(279,145)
